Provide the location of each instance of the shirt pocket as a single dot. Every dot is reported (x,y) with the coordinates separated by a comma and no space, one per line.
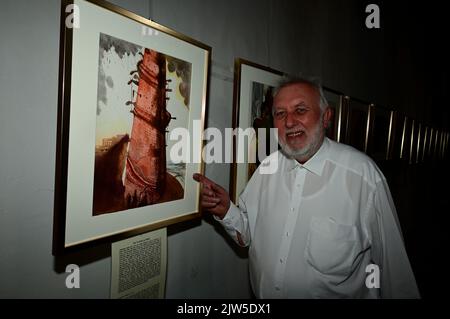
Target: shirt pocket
(331,247)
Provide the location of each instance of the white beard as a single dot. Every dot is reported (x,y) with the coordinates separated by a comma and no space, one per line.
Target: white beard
(308,150)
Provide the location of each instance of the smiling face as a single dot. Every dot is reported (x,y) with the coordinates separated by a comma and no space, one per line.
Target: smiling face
(300,121)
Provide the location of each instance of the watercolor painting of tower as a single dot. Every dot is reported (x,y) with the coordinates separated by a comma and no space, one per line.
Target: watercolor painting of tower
(142,95)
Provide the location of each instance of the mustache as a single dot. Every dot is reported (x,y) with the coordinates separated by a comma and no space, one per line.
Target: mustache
(295,130)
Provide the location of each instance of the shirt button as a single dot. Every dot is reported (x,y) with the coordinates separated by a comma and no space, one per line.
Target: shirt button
(281,260)
(292,209)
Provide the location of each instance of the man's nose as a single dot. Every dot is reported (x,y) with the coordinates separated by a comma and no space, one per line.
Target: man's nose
(291,120)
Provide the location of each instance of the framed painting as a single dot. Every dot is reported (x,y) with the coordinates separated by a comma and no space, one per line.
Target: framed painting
(396,135)
(335,103)
(357,124)
(437,135)
(444,144)
(438,144)
(405,148)
(252,109)
(447,135)
(381,133)
(418,143)
(126,84)
(430,144)
(424,144)
(441,145)
(412,142)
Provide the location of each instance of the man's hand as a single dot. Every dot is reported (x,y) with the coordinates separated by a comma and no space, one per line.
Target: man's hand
(214,197)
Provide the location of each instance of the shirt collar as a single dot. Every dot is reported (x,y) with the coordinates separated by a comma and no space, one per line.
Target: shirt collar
(316,163)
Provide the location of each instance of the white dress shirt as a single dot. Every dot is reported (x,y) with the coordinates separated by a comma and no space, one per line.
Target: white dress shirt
(314,228)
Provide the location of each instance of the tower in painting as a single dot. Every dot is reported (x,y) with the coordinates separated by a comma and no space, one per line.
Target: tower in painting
(145,178)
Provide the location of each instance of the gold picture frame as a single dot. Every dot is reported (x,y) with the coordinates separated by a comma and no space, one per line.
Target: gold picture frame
(335,101)
(381,133)
(425,142)
(397,135)
(406,139)
(126,83)
(357,126)
(252,108)
(431,143)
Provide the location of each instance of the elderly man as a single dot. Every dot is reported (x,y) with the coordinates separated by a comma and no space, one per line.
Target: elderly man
(324,224)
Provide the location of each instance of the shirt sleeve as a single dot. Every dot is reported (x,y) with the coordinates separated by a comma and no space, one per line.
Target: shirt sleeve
(388,250)
(236,221)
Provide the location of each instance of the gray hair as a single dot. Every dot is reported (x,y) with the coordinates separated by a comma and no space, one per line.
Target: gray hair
(315,84)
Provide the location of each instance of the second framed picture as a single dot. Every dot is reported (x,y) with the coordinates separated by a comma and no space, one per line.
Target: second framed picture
(405,148)
(336,104)
(380,137)
(253,88)
(357,123)
(396,148)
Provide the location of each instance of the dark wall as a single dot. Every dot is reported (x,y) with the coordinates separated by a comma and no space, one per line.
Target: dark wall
(418,77)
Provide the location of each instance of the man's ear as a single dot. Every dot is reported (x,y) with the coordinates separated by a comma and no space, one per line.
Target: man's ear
(327,116)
